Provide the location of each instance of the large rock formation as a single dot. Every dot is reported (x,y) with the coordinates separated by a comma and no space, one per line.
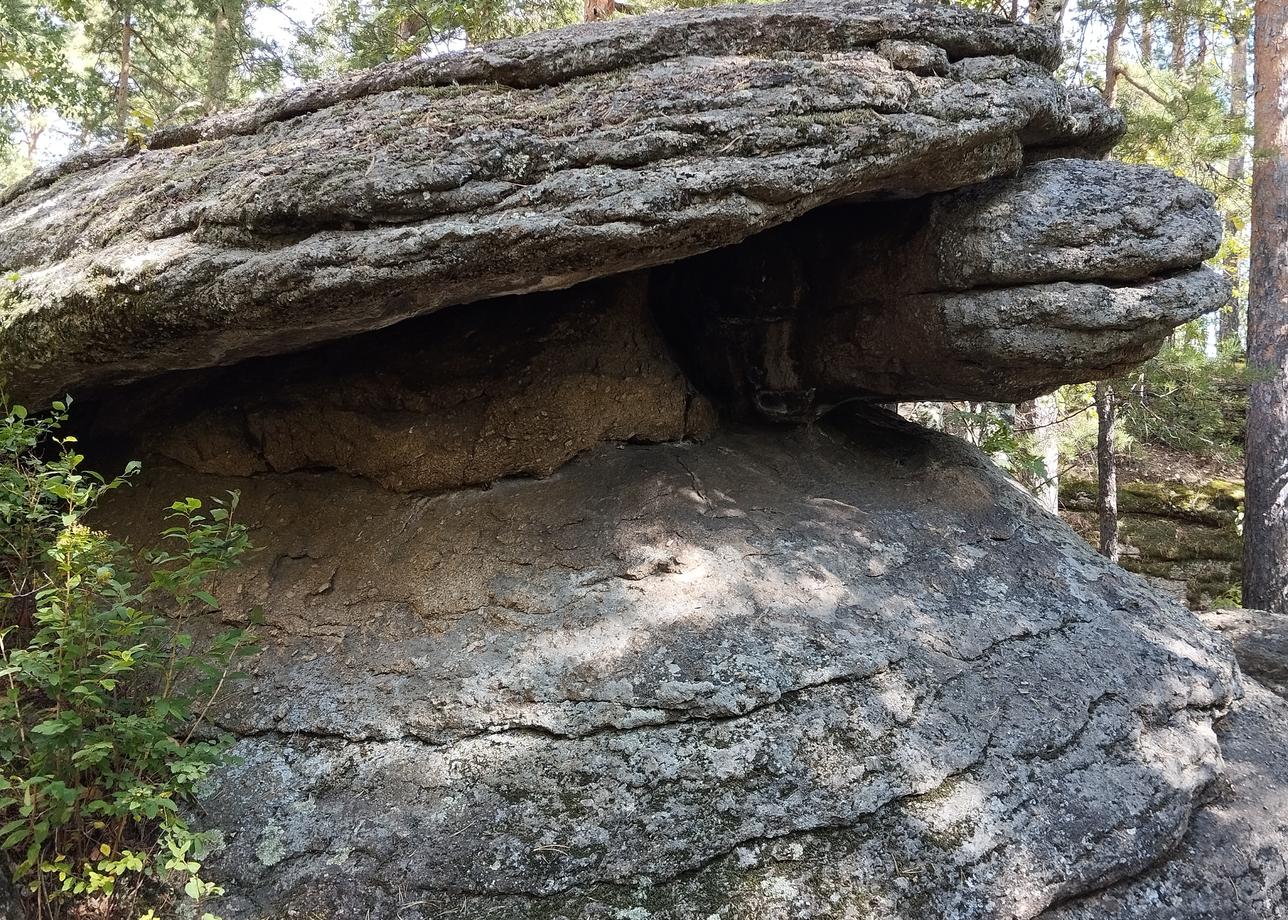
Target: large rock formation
(843,672)
(543,162)
(610,597)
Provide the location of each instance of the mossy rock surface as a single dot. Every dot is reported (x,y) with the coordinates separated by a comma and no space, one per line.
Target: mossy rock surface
(1194,541)
(1216,503)
(1169,540)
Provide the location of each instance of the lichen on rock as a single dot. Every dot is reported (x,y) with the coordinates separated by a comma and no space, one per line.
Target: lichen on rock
(688,647)
(632,144)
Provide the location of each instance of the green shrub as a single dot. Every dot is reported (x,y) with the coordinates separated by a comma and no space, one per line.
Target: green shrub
(991,428)
(1190,402)
(104,685)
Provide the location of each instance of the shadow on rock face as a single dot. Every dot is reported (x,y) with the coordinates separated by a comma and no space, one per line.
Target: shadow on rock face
(544,640)
(514,387)
(858,302)
(844,671)
(1230,864)
(1073,270)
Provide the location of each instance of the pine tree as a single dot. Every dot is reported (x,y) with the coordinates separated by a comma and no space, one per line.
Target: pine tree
(1265,552)
(1107,467)
(1240,25)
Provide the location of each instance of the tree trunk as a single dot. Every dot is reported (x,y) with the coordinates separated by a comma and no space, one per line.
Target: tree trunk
(1201,57)
(1146,41)
(1107,468)
(33,130)
(123,69)
(1116,30)
(596,10)
(1036,421)
(1228,330)
(1265,536)
(222,52)
(1176,29)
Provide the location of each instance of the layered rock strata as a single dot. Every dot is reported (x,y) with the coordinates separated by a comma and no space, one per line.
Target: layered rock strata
(524,166)
(558,625)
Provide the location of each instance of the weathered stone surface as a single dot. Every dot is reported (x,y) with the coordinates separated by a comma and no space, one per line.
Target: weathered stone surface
(832,672)
(1260,640)
(518,386)
(515,387)
(1007,344)
(11,907)
(1214,503)
(529,165)
(1071,220)
(531,651)
(1071,271)
(1232,863)
(785,324)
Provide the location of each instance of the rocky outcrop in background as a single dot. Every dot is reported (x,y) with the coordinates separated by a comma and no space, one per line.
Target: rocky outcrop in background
(594,587)
(1186,536)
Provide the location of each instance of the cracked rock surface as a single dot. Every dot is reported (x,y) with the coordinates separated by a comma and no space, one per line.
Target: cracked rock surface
(834,672)
(557,626)
(525,165)
(1233,862)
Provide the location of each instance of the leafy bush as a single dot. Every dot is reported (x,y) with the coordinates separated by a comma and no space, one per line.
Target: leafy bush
(103,686)
(990,427)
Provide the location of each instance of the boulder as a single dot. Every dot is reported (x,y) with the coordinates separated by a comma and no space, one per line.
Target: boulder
(546,161)
(1260,640)
(594,584)
(839,671)
(1069,271)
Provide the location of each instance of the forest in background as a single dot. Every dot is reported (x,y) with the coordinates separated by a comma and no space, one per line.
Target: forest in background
(79,72)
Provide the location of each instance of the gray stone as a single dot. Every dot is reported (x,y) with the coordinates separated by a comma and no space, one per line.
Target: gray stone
(528,165)
(1072,270)
(1260,640)
(831,672)
(1233,862)
(556,626)
(1072,220)
(11,907)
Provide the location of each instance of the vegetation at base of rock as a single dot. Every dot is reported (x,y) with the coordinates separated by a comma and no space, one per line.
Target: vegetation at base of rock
(105,679)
